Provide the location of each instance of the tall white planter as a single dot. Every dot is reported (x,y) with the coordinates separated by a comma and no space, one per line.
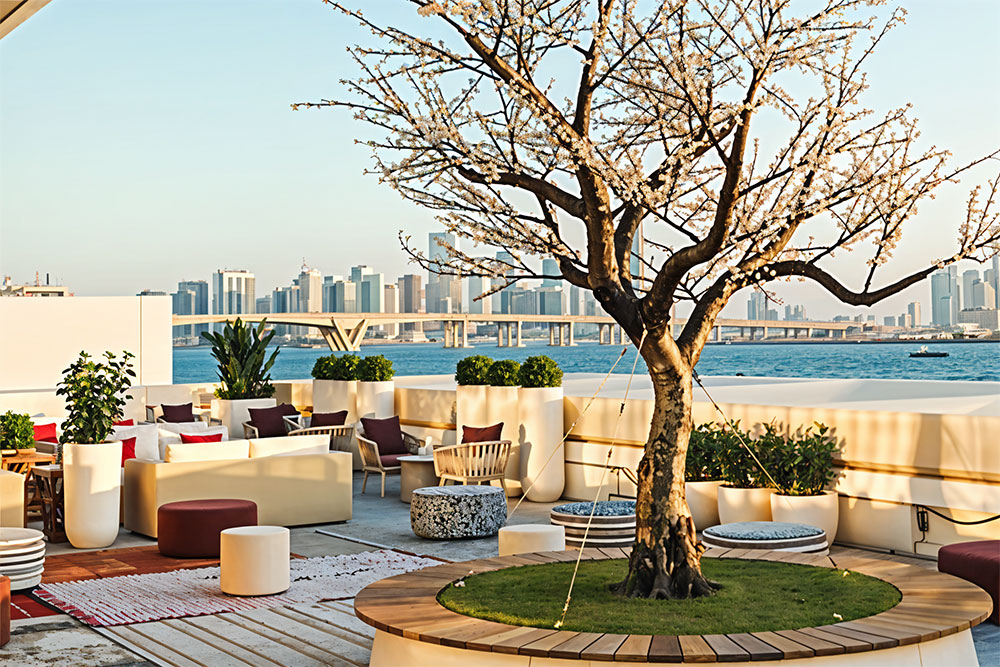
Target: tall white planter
(744,504)
(376,400)
(236,411)
(470,407)
(822,511)
(540,418)
(336,395)
(502,406)
(703,501)
(92,493)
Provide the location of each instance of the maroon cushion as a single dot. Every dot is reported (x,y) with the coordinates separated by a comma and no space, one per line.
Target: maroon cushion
(976,562)
(390,460)
(270,422)
(287,410)
(484,434)
(190,528)
(178,414)
(329,418)
(386,433)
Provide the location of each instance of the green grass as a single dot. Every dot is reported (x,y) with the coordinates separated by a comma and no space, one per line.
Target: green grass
(756,596)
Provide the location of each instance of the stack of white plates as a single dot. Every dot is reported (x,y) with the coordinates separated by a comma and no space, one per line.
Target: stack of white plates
(22,557)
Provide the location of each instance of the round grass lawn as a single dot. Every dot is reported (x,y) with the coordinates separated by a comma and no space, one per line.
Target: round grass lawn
(756,596)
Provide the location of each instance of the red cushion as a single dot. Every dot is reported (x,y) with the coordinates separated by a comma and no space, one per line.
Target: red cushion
(45,433)
(390,460)
(386,433)
(188,438)
(128,449)
(328,418)
(484,434)
(125,422)
(178,414)
(270,422)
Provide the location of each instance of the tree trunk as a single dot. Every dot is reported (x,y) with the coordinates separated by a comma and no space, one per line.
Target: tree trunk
(665,562)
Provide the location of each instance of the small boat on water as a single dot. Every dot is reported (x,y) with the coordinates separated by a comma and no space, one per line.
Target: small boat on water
(923,352)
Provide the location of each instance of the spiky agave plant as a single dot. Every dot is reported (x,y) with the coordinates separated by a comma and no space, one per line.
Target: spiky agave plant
(244,367)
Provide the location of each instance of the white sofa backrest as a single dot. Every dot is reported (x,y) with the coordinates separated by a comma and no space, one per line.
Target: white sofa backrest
(146,439)
(207,451)
(172,436)
(290,445)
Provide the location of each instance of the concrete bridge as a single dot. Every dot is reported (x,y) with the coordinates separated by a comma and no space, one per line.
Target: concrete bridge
(345,331)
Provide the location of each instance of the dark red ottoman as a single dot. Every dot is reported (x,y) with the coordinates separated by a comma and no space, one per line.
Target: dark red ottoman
(190,529)
(978,563)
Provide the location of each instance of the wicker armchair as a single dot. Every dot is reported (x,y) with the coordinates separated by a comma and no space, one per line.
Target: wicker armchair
(199,416)
(472,462)
(371,460)
(340,436)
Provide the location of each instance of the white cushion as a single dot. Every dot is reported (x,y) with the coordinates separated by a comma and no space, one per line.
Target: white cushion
(290,445)
(145,435)
(183,427)
(207,451)
(169,437)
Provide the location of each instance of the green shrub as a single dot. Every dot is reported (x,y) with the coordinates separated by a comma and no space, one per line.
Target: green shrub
(375,369)
(336,367)
(241,353)
(704,463)
(738,467)
(503,373)
(802,462)
(540,371)
(16,431)
(95,396)
(473,370)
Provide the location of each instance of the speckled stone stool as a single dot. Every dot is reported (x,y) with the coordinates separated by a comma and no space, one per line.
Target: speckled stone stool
(771,535)
(450,512)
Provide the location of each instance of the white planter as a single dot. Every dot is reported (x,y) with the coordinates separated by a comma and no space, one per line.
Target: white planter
(234,412)
(822,511)
(744,504)
(470,407)
(376,400)
(540,419)
(703,501)
(501,406)
(92,492)
(336,395)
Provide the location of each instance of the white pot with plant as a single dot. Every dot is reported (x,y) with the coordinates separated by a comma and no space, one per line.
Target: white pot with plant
(376,390)
(17,437)
(335,385)
(540,419)
(95,400)
(471,375)
(244,372)
(803,469)
(745,494)
(502,407)
(703,473)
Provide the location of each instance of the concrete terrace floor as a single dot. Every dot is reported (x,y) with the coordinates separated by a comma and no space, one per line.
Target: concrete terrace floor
(376,523)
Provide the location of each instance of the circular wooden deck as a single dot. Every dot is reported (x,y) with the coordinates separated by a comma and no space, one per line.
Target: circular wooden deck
(934,605)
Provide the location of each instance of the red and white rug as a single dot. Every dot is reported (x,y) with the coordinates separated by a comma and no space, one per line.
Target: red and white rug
(152,597)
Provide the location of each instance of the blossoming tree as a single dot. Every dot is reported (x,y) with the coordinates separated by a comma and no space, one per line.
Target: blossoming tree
(582,130)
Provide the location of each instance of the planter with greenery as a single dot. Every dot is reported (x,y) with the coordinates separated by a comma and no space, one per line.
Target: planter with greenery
(16,434)
(244,368)
(540,429)
(703,472)
(802,466)
(95,393)
(335,384)
(746,492)
(502,406)
(376,390)
(470,394)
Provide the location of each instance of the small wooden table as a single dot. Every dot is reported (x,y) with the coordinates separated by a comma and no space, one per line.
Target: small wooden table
(415,472)
(24,464)
(49,482)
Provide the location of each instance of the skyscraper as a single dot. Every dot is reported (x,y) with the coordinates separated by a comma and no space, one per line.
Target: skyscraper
(310,283)
(992,276)
(390,304)
(943,298)
(913,310)
(477,286)
(441,291)
(191,298)
(410,301)
(981,296)
(233,292)
(506,258)
(757,306)
(550,267)
(370,289)
(969,278)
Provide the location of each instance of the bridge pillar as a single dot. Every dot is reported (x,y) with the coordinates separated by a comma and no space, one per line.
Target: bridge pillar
(552,334)
(465,334)
(449,334)
(716,334)
(500,328)
(517,330)
(569,329)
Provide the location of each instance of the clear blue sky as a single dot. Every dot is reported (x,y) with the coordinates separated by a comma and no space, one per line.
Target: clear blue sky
(145,142)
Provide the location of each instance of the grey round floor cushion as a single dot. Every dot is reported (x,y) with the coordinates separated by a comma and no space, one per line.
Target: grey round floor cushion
(776,535)
(450,512)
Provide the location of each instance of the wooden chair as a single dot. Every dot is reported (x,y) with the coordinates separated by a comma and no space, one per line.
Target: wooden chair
(472,462)
(340,436)
(371,461)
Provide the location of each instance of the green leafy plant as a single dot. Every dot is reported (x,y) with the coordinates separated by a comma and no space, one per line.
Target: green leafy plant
(95,396)
(704,463)
(375,368)
(802,462)
(503,373)
(473,370)
(540,371)
(336,367)
(738,467)
(16,431)
(241,353)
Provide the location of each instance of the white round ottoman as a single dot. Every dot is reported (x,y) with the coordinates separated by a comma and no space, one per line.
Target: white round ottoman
(254,560)
(530,538)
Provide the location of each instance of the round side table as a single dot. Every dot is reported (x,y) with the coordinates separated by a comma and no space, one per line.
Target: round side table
(415,472)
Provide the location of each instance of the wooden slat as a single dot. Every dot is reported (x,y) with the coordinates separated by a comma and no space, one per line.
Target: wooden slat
(572,647)
(789,649)
(902,637)
(281,638)
(635,648)
(278,653)
(726,649)
(221,644)
(604,648)
(330,643)
(694,648)
(541,647)
(877,642)
(514,642)
(146,647)
(756,647)
(191,648)
(665,648)
(818,640)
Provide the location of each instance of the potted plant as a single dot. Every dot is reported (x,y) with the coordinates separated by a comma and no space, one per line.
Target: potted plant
(16,434)
(745,494)
(540,429)
(95,400)
(502,406)
(335,384)
(376,390)
(803,469)
(703,472)
(244,372)
(471,374)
